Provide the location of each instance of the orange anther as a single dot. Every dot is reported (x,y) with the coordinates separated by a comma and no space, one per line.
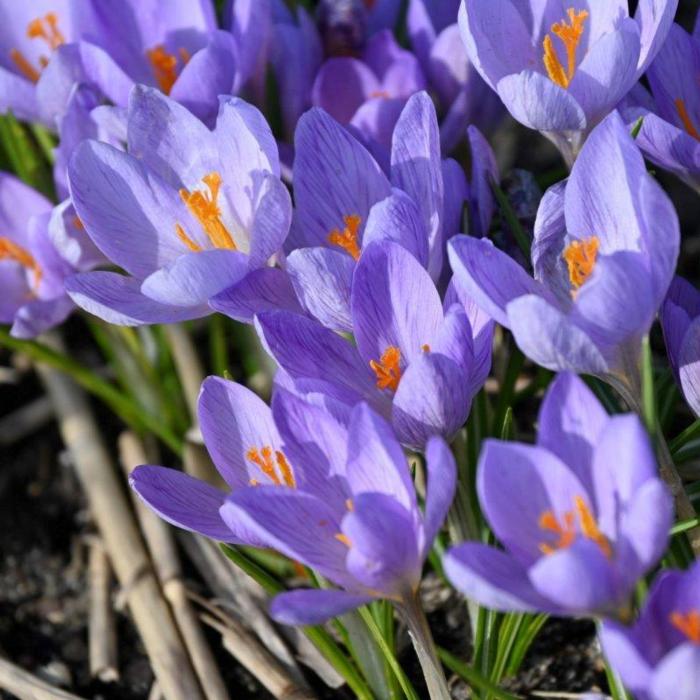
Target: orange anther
(570,35)
(580,258)
(9,250)
(275,467)
(347,239)
(688,624)
(388,369)
(685,119)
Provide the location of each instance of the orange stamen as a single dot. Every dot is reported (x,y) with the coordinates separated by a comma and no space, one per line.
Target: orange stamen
(77,222)
(387,369)
(589,527)
(425,348)
(685,118)
(580,258)
(688,624)
(344,539)
(277,469)
(9,250)
(347,239)
(570,35)
(349,504)
(204,207)
(164,66)
(45,28)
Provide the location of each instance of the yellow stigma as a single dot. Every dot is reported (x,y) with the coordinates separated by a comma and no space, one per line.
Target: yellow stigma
(685,119)
(344,539)
(388,369)
(570,35)
(566,532)
(688,624)
(9,250)
(164,66)
(580,258)
(46,29)
(347,238)
(204,207)
(273,465)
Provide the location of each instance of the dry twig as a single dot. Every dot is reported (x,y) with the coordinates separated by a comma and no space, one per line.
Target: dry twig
(27,686)
(101,625)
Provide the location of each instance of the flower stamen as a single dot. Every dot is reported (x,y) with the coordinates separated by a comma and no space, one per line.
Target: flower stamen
(45,28)
(388,369)
(688,624)
(9,250)
(580,258)
(685,119)
(347,239)
(570,35)
(164,66)
(274,466)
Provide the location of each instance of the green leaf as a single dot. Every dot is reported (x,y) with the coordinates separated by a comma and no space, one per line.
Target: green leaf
(637,127)
(473,677)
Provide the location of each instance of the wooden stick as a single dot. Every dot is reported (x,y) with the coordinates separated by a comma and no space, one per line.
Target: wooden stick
(166,562)
(26,686)
(25,420)
(102,634)
(110,508)
(188,365)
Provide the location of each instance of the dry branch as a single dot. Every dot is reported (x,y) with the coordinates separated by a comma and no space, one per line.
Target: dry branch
(26,686)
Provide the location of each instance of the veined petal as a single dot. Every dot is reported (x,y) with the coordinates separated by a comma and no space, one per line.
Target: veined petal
(313,606)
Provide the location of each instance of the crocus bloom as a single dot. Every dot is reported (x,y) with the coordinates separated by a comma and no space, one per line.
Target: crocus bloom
(414,362)
(464,97)
(333,494)
(32,261)
(605,251)
(670,134)
(344,201)
(659,656)
(187,212)
(581,515)
(369,92)
(680,320)
(559,67)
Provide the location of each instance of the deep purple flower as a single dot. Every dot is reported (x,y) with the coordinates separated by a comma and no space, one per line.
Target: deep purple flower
(39,248)
(370,91)
(187,212)
(658,658)
(333,493)
(680,320)
(414,361)
(464,97)
(605,251)
(670,134)
(581,515)
(561,68)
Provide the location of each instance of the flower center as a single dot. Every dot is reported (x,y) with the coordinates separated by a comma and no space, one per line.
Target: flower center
(570,35)
(9,250)
(204,207)
(580,258)
(164,66)
(688,624)
(387,369)
(347,238)
(273,465)
(45,28)
(566,531)
(685,119)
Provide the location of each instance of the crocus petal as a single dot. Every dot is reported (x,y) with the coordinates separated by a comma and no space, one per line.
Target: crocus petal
(625,657)
(376,463)
(454,339)
(271,222)
(681,307)
(193,278)
(35,317)
(182,500)
(313,606)
(234,420)
(678,675)
(383,554)
(488,276)
(689,366)
(484,175)
(433,398)
(655,18)
(322,280)
(264,289)
(578,579)
(539,103)
(442,484)
(492,578)
(548,337)
(18,204)
(416,167)
(456,193)
(103,71)
(118,299)
(18,96)
(570,423)
(299,525)
(394,303)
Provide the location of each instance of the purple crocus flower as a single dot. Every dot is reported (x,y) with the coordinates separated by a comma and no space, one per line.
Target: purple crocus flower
(370,91)
(186,212)
(670,133)
(559,67)
(464,96)
(659,656)
(414,362)
(604,254)
(39,248)
(581,515)
(333,494)
(680,320)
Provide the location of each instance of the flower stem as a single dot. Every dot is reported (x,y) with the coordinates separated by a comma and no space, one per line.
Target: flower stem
(425,648)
